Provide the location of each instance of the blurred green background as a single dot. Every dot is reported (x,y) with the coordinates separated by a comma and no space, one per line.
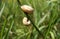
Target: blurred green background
(46,17)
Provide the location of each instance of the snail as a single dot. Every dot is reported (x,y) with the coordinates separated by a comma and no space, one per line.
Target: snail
(26,8)
(26,21)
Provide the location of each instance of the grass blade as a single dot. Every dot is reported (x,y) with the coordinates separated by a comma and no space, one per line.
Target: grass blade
(42,19)
(2,10)
(52,35)
(7,34)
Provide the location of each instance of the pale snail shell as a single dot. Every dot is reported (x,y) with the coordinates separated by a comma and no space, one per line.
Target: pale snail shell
(27,9)
(26,21)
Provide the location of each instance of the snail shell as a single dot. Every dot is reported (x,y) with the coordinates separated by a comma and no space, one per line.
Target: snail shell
(26,21)
(27,9)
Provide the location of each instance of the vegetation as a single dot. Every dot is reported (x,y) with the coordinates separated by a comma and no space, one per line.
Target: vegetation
(45,20)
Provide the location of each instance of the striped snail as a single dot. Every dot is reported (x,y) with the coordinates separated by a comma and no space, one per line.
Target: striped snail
(26,21)
(27,9)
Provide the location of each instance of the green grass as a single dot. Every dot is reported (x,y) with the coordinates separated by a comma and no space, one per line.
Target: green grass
(45,20)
